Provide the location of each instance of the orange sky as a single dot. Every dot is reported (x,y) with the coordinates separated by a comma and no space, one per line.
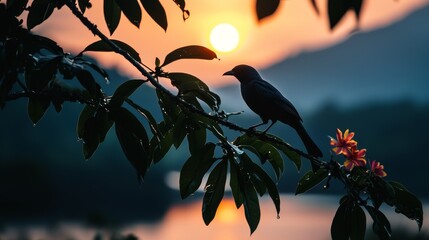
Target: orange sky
(294,28)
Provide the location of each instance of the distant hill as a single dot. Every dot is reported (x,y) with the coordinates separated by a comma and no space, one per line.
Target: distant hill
(385,64)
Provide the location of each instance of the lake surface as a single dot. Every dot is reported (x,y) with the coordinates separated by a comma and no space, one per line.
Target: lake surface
(301,218)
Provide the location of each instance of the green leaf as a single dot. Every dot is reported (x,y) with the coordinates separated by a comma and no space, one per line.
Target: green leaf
(265,151)
(133,139)
(193,170)
(124,91)
(293,156)
(189,52)
(156,12)
(161,146)
(87,112)
(104,123)
(40,10)
(131,10)
(336,10)
(252,211)
(341,226)
(179,130)
(234,182)
(265,8)
(88,82)
(152,122)
(112,15)
(37,108)
(101,46)
(214,190)
(265,178)
(381,225)
(186,82)
(196,139)
(310,179)
(358,221)
(407,203)
(90,137)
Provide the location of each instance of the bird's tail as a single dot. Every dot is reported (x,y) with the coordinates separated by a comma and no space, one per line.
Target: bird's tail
(309,144)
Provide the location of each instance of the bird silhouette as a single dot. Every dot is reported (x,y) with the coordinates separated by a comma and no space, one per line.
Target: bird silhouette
(266,101)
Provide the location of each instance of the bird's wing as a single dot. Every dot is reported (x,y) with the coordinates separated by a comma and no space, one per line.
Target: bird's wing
(273,96)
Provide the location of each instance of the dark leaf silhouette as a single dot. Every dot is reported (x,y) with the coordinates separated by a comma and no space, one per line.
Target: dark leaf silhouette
(310,179)
(124,91)
(131,10)
(265,8)
(40,10)
(182,5)
(214,190)
(83,5)
(101,46)
(189,52)
(156,12)
(112,15)
(407,204)
(16,7)
(193,170)
(133,139)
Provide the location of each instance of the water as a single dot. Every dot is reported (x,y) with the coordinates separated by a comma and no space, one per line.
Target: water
(303,217)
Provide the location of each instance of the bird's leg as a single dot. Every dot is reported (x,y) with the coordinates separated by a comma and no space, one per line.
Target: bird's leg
(272,123)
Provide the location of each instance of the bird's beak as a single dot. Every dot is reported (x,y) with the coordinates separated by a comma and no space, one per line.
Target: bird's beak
(229,73)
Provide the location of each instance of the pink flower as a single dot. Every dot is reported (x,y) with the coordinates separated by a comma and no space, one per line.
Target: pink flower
(378,169)
(344,142)
(355,157)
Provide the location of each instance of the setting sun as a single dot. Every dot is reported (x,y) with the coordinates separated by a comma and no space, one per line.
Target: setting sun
(224,37)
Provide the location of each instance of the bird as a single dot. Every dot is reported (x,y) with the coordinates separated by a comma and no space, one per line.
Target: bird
(267,102)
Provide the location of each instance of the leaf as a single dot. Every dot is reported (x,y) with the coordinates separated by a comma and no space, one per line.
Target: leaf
(310,179)
(104,123)
(193,170)
(88,82)
(156,12)
(161,146)
(358,221)
(124,91)
(252,211)
(133,139)
(181,4)
(196,138)
(186,82)
(112,15)
(101,46)
(37,108)
(293,156)
(407,203)
(341,227)
(269,183)
(16,7)
(40,10)
(381,225)
(336,10)
(189,52)
(265,151)
(131,10)
(83,4)
(315,7)
(87,112)
(179,130)
(265,8)
(152,122)
(90,137)
(234,182)
(214,190)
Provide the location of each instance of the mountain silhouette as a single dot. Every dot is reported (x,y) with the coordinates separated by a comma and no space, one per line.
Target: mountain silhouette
(380,65)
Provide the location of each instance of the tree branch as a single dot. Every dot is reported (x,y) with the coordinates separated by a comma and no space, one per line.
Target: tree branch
(93,28)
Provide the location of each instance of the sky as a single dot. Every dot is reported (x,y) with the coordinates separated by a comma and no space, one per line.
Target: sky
(294,28)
